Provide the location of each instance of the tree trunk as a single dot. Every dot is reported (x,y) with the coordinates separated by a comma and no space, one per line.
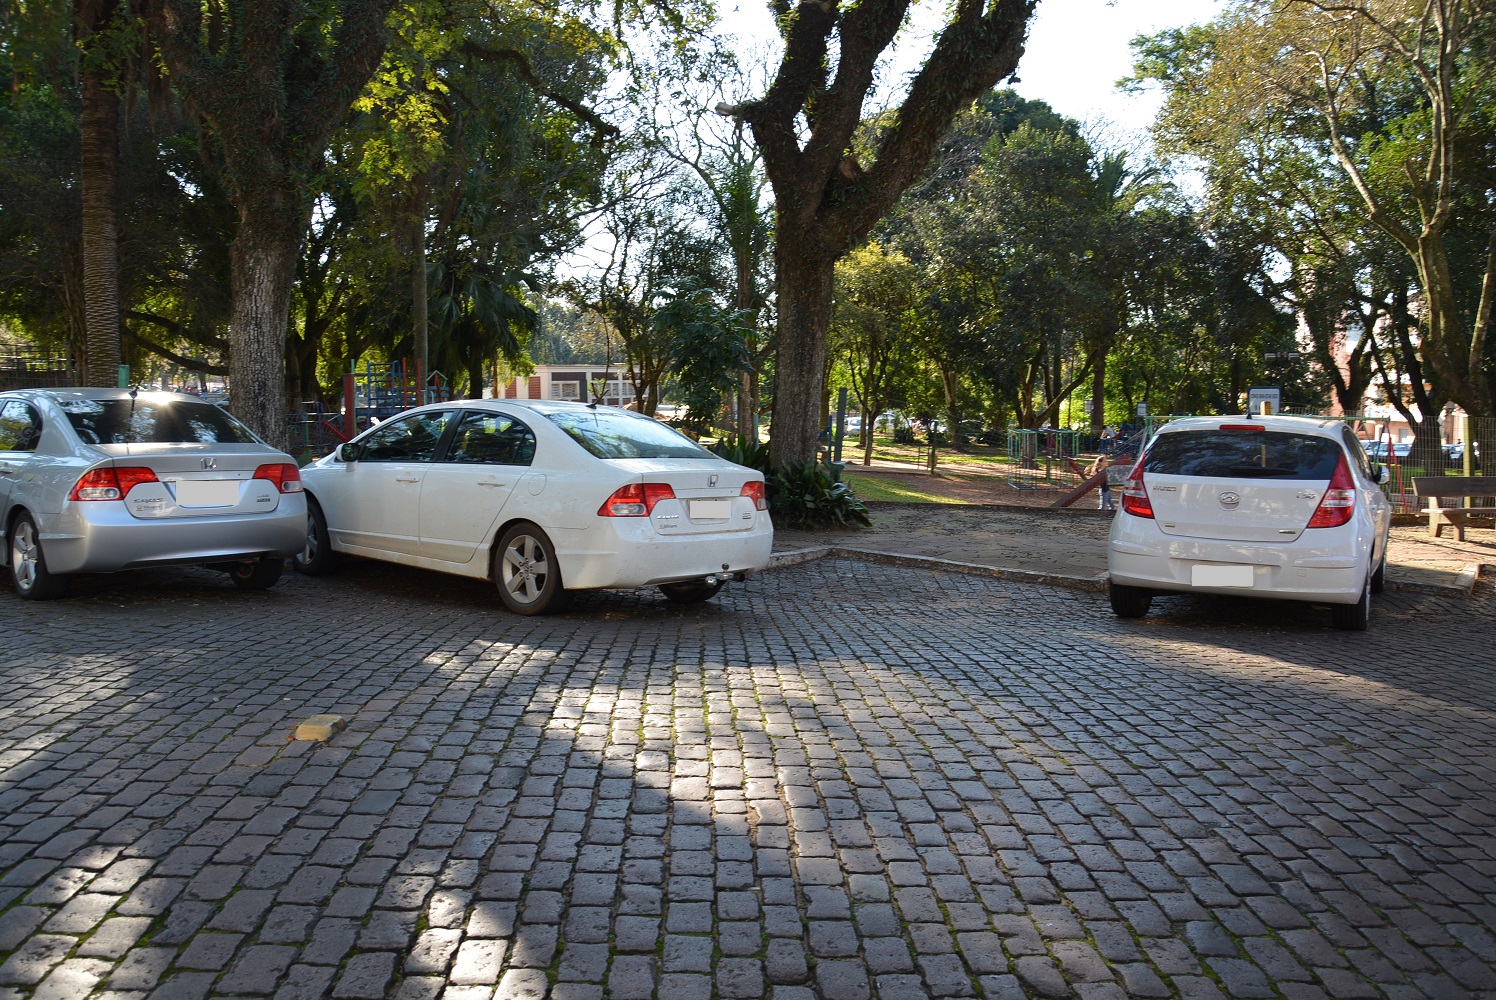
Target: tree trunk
(419,309)
(475,377)
(1098,394)
(262,260)
(804,282)
(99,176)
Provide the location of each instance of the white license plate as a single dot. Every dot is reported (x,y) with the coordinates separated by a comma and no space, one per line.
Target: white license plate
(1221,576)
(207,492)
(711,510)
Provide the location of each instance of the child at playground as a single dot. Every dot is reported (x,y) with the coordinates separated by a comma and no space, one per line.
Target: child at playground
(1101,464)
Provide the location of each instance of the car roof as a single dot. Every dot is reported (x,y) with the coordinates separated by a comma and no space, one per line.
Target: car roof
(1321,426)
(77,392)
(540,406)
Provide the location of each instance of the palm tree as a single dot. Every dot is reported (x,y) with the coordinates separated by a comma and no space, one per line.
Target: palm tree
(99,175)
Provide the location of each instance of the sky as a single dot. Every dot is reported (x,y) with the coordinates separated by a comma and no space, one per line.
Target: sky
(1077,50)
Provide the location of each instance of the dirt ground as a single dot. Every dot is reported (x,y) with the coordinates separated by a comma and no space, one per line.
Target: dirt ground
(1017,529)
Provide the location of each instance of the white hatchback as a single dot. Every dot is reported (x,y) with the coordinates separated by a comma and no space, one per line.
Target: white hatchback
(542,498)
(1262,506)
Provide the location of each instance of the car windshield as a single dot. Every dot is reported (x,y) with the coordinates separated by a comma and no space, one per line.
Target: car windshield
(1242,454)
(154,421)
(614,434)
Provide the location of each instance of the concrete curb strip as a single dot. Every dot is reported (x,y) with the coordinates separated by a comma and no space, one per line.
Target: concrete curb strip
(1463,582)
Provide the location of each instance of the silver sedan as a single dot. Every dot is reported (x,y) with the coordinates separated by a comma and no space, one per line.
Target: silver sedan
(100,480)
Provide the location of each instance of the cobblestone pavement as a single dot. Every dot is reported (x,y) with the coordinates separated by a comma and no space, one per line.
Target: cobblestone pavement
(840,780)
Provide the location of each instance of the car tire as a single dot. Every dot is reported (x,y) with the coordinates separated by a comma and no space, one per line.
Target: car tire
(257,574)
(1353,617)
(28,564)
(1379,578)
(690,591)
(527,573)
(317,558)
(1129,602)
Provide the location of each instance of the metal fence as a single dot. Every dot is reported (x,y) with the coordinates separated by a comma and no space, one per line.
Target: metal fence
(29,367)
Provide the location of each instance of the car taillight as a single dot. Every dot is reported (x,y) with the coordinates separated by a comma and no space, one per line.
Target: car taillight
(1135,495)
(755,492)
(111,483)
(1339,502)
(285,475)
(635,500)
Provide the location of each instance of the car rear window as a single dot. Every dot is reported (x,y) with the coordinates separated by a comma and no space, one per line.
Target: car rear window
(1221,454)
(146,421)
(615,434)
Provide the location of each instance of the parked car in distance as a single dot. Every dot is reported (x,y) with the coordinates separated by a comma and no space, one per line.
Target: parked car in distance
(1456,452)
(1287,508)
(542,498)
(100,480)
(1379,451)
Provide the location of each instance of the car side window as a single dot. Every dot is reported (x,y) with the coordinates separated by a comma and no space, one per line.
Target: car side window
(1357,453)
(20,427)
(491,439)
(406,439)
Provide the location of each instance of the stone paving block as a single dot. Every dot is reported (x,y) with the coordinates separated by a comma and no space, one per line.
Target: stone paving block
(114,937)
(257,970)
(365,976)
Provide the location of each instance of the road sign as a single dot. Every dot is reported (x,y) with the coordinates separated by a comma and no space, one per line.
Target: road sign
(1257,395)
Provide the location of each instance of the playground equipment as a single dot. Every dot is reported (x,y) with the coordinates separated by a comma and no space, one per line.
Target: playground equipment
(1043,458)
(371,394)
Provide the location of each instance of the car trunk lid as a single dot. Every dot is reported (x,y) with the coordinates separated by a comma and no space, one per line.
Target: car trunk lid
(196,480)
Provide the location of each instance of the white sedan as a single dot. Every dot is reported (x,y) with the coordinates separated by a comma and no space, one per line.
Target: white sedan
(1261,506)
(542,498)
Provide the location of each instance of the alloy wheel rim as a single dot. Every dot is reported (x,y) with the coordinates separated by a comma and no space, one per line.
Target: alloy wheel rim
(524,570)
(23,556)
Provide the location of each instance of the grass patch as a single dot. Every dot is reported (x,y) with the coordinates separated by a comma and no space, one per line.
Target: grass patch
(878,488)
(886,450)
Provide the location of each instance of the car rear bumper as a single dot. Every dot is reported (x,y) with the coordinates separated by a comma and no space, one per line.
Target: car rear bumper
(1332,574)
(629,552)
(102,537)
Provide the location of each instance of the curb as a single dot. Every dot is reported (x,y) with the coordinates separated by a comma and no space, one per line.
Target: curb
(1464,582)
(1094,584)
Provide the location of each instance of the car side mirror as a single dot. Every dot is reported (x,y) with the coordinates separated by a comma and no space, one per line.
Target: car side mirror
(350,452)
(1381,474)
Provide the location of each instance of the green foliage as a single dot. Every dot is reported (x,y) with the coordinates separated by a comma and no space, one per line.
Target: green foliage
(803,495)
(706,343)
(742,451)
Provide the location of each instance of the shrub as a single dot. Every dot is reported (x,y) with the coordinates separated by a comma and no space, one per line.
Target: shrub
(753,454)
(803,495)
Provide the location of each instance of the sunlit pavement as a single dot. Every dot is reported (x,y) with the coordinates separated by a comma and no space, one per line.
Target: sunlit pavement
(841,779)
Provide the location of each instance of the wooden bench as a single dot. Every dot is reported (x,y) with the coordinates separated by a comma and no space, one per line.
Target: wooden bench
(1438,489)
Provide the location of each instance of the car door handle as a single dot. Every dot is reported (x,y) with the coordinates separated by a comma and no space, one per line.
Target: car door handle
(492,482)
(407,479)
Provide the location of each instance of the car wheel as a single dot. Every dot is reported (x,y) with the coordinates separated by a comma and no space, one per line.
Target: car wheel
(1129,602)
(1379,578)
(257,574)
(28,566)
(690,591)
(318,558)
(526,571)
(1353,617)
